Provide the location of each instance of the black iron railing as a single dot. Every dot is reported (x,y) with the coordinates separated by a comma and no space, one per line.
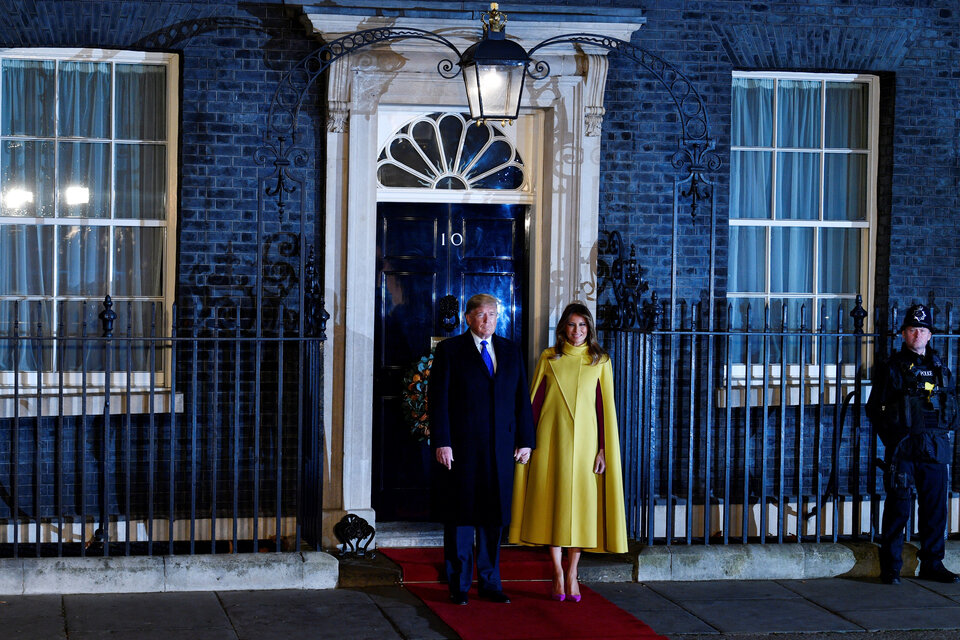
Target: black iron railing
(200,441)
(753,435)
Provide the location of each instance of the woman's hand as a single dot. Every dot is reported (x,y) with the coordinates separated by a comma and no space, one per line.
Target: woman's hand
(600,463)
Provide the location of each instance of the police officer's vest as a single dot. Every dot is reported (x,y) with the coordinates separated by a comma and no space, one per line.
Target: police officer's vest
(928,408)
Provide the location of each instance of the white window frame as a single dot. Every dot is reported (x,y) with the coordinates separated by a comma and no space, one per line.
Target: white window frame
(811,372)
(141,381)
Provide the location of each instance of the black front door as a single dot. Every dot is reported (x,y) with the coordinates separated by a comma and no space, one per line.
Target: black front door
(426,252)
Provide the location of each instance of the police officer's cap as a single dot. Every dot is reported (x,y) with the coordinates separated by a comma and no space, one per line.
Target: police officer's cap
(917,316)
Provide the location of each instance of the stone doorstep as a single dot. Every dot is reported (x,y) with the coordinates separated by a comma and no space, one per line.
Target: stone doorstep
(320,570)
(137,574)
(790,561)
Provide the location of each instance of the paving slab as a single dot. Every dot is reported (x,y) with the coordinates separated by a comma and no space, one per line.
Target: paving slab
(662,615)
(282,615)
(906,618)
(767,615)
(409,615)
(32,617)
(852,595)
(949,590)
(163,612)
(158,634)
(722,590)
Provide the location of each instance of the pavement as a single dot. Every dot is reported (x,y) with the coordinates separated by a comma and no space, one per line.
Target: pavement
(817,609)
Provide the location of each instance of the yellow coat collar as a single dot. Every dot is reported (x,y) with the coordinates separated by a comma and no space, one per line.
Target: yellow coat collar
(568,371)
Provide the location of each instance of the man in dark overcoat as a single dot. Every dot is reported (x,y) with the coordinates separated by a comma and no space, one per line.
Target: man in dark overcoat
(481,424)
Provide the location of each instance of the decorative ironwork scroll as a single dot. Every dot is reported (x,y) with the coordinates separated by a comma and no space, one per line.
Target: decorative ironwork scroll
(355,535)
(622,277)
(696,152)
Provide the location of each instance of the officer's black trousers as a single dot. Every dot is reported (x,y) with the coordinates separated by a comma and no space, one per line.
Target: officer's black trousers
(930,480)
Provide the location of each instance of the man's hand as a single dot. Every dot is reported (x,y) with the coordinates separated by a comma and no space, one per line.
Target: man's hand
(600,463)
(445,456)
(522,455)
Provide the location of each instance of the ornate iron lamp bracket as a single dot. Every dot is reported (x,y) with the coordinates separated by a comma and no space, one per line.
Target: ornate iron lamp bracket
(696,148)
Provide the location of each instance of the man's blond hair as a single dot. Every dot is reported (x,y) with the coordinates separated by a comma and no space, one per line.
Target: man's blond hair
(482,300)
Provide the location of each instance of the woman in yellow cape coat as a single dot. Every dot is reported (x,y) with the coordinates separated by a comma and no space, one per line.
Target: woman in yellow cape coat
(564,497)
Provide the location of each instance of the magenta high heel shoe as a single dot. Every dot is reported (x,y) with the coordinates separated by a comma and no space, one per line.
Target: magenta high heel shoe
(559,596)
(573,598)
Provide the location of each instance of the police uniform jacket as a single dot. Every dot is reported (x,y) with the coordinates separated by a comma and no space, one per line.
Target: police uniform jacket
(913,406)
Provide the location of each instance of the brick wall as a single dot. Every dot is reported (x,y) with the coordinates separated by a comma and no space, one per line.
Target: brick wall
(912,46)
(233,56)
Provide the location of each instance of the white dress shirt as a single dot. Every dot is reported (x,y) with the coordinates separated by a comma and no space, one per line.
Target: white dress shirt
(493,356)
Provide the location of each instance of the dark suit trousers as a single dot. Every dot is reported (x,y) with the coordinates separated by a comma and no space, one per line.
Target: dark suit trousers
(458,549)
(930,480)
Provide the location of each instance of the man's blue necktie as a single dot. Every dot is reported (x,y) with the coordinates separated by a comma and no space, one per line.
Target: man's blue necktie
(487,360)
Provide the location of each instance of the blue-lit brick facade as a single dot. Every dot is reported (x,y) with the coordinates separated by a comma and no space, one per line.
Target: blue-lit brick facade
(915,50)
(233,55)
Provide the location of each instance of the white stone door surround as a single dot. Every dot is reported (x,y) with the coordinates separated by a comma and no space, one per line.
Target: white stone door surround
(563,205)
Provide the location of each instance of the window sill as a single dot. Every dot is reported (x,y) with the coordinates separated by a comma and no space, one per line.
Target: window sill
(739,396)
(137,402)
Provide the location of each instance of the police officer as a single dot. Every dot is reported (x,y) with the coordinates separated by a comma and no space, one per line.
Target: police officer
(913,408)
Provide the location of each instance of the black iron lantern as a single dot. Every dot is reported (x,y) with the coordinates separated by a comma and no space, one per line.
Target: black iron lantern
(493,71)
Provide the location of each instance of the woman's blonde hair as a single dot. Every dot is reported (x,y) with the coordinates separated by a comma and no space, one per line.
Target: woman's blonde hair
(596,352)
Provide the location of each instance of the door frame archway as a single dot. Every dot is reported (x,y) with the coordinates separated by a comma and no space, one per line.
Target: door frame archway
(563,222)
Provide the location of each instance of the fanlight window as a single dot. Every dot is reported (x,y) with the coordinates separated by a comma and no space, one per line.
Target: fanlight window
(445,151)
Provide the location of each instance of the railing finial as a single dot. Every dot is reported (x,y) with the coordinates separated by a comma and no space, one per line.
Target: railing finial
(107,317)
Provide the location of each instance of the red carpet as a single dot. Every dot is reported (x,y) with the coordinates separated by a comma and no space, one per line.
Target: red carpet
(531,615)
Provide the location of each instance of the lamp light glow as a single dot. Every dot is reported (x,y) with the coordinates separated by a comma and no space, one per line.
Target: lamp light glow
(15,198)
(493,71)
(75,194)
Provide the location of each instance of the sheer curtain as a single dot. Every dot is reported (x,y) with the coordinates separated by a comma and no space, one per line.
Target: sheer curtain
(57,166)
(775,176)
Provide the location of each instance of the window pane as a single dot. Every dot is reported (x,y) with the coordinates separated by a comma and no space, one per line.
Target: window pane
(142,319)
(840,260)
(405,153)
(845,186)
(83,185)
(85,99)
(506,178)
(746,313)
(752,112)
(795,348)
(26,260)
(748,256)
(834,312)
(791,260)
(28,97)
(498,153)
(80,318)
(798,186)
(846,125)
(451,129)
(392,175)
(141,102)
(26,353)
(138,262)
(750,177)
(27,178)
(82,260)
(475,139)
(141,179)
(798,114)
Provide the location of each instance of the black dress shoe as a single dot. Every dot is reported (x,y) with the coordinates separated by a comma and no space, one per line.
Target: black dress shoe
(458,597)
(889,578)
(495,596)
(938,573)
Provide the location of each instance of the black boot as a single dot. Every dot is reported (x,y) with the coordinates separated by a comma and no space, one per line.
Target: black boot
(937,572)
